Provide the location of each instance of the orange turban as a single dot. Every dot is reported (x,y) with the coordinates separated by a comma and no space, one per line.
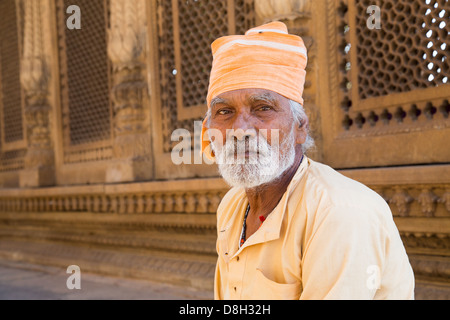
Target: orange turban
(266,57)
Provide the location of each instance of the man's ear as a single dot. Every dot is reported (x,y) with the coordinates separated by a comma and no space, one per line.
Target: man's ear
(301,131)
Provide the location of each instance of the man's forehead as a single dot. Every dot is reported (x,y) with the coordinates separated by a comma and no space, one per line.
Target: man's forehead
(247,95)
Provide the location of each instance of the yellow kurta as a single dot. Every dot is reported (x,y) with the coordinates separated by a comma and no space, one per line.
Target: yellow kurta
(329,237)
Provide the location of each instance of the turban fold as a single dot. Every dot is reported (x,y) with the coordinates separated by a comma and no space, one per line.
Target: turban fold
(266,57)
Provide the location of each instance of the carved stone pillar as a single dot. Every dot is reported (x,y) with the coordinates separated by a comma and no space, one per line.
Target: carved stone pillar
(39,160)
(298,16)
(127,49)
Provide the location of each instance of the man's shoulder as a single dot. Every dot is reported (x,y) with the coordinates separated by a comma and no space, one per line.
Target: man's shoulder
(339,189)
(328,192)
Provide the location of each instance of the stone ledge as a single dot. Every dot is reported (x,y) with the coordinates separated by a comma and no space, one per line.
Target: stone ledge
(192,185)
(428,290)
(188,223)
(421,174)
(167,242)
(179,269)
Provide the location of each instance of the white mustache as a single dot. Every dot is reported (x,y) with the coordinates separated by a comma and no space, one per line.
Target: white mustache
(239,148)
(242,146)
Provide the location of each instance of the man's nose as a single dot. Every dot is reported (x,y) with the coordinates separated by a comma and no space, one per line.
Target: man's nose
(240,134)
(243,128)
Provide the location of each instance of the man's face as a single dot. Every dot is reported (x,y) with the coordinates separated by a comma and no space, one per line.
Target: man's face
(258,136)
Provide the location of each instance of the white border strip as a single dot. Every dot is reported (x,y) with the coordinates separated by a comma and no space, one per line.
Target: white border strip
(268,44)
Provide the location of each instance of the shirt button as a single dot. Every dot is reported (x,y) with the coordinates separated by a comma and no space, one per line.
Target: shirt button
(234,288)
(237,258)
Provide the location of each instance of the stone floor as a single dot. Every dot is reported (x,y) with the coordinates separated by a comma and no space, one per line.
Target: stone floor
(26,281)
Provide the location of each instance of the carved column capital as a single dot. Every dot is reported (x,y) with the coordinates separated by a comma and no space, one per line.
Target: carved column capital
(34,71)
(127,35)
(127,50)
(126,45)
(270,10)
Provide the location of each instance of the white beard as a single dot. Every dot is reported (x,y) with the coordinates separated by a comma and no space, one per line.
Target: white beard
(265,164)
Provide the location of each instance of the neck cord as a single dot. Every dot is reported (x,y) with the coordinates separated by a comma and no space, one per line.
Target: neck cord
(244,227)
(261,218)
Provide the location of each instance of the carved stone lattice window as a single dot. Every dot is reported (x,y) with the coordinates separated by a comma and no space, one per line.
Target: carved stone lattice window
(389,89)
(85,78)
(11,92)
(398,73)
(186,30)
(12,160)
(410,50)
(12,137)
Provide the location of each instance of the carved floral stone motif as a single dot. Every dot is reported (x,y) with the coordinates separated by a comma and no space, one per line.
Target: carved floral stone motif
(427,200)
(445,199)
(402,200)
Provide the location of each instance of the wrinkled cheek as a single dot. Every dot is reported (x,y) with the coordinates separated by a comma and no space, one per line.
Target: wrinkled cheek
(272,136)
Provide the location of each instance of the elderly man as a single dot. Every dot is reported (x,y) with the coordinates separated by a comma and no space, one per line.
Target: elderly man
(290,228)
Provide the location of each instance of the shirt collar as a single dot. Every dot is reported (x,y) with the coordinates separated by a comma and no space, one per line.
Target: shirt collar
(270,229)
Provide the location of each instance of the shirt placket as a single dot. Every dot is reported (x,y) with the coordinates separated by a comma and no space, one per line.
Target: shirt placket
(236,267)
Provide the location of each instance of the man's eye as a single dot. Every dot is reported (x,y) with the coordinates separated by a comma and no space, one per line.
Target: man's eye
(223,112)
(264,108)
